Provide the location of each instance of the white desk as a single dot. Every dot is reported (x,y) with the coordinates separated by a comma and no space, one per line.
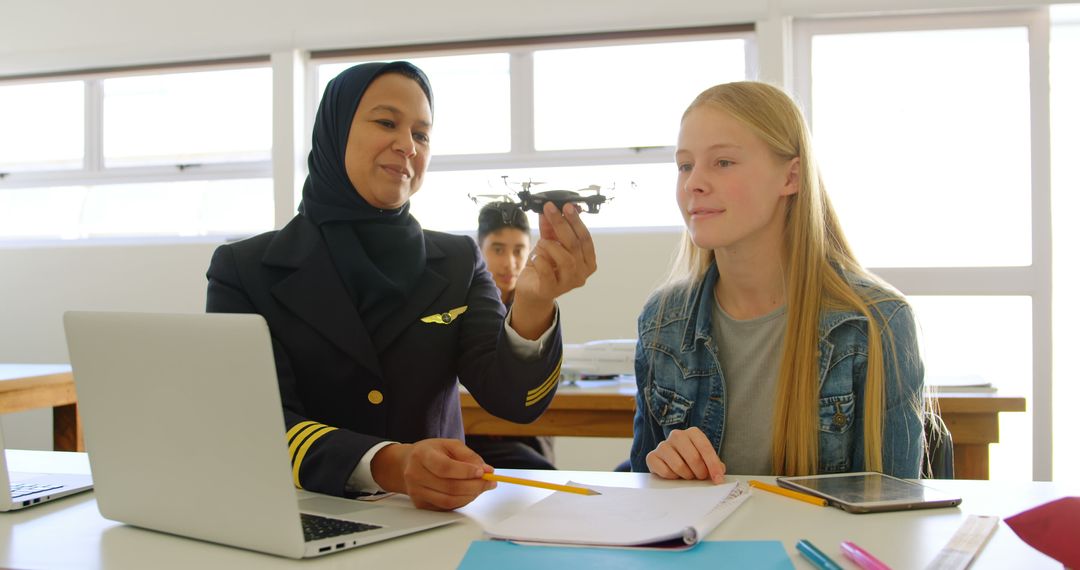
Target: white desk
(69,533)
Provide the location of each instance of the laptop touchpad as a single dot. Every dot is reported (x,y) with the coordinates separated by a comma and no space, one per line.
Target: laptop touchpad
(328,506)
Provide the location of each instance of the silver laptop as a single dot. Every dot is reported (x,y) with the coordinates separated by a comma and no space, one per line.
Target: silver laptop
(183,423)
(29,489)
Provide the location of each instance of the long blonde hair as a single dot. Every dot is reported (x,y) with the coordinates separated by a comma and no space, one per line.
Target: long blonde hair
(816,257)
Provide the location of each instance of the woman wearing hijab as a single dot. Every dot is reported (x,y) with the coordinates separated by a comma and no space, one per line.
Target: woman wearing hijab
(373,319)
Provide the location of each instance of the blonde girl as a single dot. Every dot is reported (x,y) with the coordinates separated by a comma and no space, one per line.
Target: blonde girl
(770,350)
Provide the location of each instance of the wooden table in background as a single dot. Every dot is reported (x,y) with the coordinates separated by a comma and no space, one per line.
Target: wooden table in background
(608,411)
(594,411)
(972,418)
(31,386)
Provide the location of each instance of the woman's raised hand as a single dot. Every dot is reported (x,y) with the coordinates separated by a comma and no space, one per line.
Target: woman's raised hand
(562,260)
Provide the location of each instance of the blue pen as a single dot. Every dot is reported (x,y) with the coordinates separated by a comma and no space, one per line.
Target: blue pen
(815,556)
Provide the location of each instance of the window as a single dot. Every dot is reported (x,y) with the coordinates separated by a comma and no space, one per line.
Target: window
(184,118)
(935,176)
(42,126)
(897,129)
(637,192)
(568,116)
(472,100)
(598,97)
(956,335)
(137,154)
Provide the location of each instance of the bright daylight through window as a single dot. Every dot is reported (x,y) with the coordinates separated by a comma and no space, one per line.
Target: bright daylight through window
(136,156)
(582,124)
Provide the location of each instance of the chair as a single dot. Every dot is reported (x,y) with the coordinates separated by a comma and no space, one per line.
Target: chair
(938,456)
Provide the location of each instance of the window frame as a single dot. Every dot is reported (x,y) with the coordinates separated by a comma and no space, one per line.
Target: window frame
(1032,280)
(93,171)
(522,153)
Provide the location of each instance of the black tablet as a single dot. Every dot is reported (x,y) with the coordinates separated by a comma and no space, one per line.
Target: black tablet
(870,492)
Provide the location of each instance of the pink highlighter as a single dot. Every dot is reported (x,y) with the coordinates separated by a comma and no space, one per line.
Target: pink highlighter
(862,558)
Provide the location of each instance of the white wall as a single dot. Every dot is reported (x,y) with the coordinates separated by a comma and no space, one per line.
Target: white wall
(39,284)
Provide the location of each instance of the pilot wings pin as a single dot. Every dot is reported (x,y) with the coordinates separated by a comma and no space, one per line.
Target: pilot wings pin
(444,318)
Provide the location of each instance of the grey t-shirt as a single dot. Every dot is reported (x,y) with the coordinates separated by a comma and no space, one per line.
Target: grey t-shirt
(749,353)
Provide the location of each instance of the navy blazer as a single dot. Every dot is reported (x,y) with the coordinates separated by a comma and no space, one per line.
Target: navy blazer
(345,390)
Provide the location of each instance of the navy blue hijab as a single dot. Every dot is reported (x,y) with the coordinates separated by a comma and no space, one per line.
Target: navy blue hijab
(379,254)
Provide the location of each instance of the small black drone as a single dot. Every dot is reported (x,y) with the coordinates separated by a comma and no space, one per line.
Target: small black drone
(534,201)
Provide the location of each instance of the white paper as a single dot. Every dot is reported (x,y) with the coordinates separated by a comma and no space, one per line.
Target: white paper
(621,516)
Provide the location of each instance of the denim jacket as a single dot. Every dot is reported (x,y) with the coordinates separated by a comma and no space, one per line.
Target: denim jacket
(680,381)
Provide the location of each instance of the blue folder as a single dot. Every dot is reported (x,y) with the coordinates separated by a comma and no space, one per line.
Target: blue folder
(713,555)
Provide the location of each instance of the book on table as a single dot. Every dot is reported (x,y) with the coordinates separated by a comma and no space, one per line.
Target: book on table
(669,518)
(962,383)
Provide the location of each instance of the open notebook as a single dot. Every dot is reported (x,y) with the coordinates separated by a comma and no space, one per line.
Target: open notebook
(625,517)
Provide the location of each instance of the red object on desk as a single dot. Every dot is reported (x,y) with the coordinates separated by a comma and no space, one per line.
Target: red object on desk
(1052,528)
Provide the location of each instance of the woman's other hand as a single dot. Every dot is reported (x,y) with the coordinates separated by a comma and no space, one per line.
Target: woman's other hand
(437,474)
(686,454)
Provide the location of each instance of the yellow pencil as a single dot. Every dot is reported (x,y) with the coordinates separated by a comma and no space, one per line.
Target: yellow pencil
(789,493)
(540,484)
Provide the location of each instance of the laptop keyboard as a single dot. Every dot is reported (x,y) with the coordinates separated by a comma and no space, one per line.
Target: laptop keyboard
(316,527)
(24,489)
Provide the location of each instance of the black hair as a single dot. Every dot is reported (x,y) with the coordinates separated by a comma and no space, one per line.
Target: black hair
(499,215)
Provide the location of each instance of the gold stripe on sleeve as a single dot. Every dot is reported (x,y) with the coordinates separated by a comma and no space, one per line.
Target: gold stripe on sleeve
(539,393)
(299,439)
(296,429)
(553,376)
(303,451)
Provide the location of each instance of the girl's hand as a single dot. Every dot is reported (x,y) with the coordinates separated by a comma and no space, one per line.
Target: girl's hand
(686,454)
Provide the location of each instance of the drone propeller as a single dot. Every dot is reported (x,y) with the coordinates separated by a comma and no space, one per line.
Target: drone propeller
(523,184)
(489,198)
